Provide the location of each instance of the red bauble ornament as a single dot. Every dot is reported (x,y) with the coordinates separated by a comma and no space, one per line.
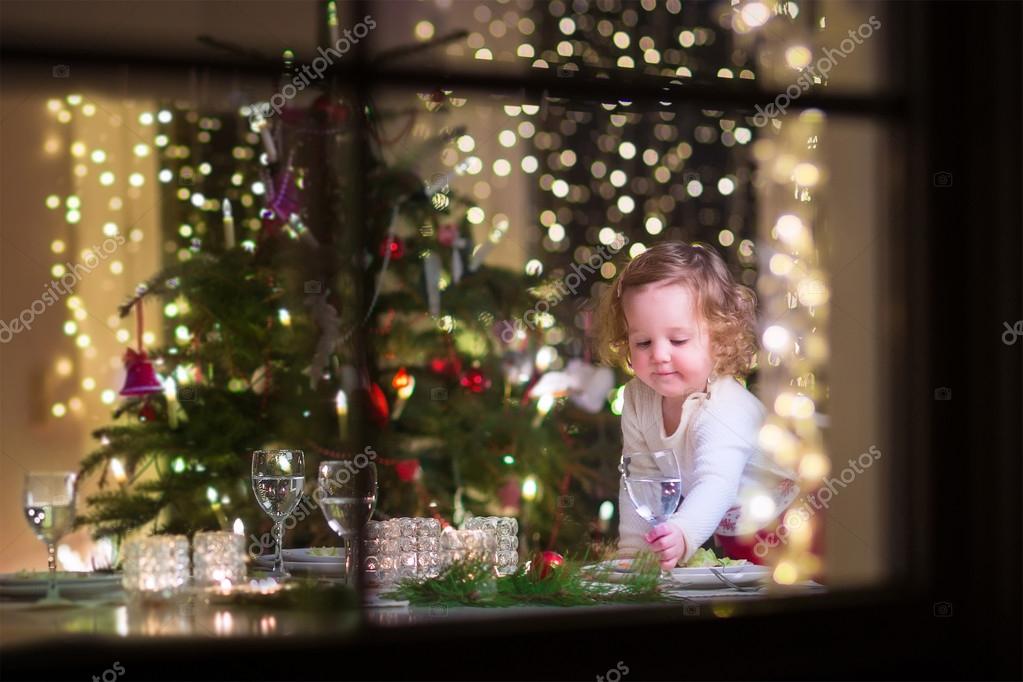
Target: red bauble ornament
(380,412)
(447,234)
(394,245)
(407,469)
(474,380)
(510,494)
(147,413)
(546,563)
(446,366)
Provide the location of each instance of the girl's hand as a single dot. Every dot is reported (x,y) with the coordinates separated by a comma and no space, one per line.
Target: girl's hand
(669,542)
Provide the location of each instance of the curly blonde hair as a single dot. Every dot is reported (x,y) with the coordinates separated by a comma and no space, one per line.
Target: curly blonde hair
(728,308)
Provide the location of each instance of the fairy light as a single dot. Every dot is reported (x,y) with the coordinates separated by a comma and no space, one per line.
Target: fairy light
(617,400)
(117,470)
(530,487)
(794,289)
(543,406)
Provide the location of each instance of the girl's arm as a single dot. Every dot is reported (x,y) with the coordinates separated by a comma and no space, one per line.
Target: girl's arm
(724,441)
(631,526)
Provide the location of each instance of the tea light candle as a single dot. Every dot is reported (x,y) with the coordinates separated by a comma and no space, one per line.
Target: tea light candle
(219,558)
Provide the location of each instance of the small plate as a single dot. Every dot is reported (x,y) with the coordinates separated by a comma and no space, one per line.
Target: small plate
(744,574)
(319,555)
(309,567)
(71,584)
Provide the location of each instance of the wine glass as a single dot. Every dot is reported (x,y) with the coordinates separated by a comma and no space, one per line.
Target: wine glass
(50,510)
(277,480)
(654,484)
(348,495)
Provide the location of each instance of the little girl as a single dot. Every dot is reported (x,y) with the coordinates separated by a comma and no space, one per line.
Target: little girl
(686,329)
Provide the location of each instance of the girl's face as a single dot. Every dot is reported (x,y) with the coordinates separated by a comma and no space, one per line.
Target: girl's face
(670,351)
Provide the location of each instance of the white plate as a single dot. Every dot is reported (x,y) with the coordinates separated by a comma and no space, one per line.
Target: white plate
(308,567)
(304,554)
(78,585)
(745,574)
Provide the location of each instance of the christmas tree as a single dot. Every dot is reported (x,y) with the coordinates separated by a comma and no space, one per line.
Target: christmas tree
(344,291)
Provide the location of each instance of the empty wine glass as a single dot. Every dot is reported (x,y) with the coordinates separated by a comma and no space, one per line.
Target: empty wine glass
(277,480)
(654,484)
(348,495)
(50,510)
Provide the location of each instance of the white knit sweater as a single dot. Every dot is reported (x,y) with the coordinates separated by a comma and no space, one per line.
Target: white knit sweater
(722,467)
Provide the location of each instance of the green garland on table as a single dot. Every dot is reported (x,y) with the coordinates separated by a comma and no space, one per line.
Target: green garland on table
(471,582)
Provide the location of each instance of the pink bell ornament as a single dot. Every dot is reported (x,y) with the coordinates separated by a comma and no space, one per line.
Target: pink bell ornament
(141,378)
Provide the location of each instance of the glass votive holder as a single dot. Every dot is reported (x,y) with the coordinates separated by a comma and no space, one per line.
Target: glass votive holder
(156,567)
(477,541)
(389,529)
(218,558)
(427,527)
(407,527)
(503,541)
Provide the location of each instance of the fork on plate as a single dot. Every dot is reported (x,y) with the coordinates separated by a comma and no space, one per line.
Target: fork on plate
(721,576)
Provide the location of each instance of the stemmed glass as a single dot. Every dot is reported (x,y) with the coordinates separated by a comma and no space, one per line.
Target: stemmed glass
(277,480)
(654,484)
(348,496)
(50,510)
